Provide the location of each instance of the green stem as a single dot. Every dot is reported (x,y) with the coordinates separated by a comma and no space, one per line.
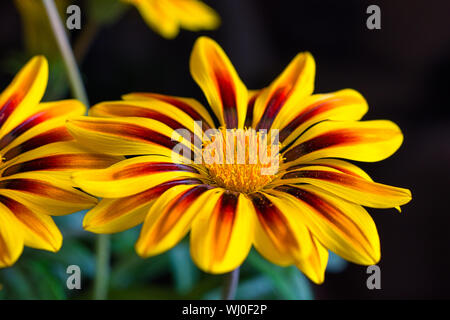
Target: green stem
(78,91)
(231,285)
(76,84)
(102,273)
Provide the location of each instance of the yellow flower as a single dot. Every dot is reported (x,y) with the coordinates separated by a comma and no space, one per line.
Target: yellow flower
(38,156)
(314,201)
(167,16)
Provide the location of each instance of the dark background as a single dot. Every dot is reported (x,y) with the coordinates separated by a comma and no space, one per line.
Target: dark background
(402,70)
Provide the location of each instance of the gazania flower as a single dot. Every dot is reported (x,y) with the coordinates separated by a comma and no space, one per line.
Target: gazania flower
(37,157)
(167,16)
(313,202)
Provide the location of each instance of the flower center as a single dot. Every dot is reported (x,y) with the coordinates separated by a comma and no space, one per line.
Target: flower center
(242,160)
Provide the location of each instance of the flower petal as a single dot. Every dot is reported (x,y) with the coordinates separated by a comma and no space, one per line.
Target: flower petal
(11,237)
(19,100)
(293,120)
(368,141)
(287,91)
(190,106)
(124,135)
(193,15)
(171,216)
(343,227)
(349,187)
(216,76)
(252,96)
(50,132)
(40,232)
(280,236)
(45,192)
(63,157)
(315,264)
(157,17)
(132,176)
(154,109)
(222,235)
(43,112)
(115,215)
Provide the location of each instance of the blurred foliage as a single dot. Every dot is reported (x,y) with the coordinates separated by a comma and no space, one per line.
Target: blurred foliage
(37,32)
(105,12)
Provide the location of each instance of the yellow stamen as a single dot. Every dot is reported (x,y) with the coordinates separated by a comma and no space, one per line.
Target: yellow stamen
(241,160)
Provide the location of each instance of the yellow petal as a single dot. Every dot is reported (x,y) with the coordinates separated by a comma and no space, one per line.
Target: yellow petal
(280,236)
(40,232)
(63,157)
(11,237)
(190,106)
(341,226)
(154,109)
(193,15)
(222,233)
(19,100)
(287,91)
(131,176)
(46,192)
(115,215)
(294,119)
(125,135)
(216,76)
(349,187)
(171,216)
(156,15)
(315,264)
(368,141)
(38,122)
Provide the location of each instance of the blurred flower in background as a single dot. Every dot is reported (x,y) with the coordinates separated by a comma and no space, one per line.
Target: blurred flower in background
(38,156)
(292,217)
(167,16)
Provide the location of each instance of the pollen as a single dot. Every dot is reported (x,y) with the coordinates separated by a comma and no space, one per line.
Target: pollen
(242,160)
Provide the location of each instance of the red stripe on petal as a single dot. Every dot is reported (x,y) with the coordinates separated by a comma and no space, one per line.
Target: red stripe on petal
(180,105)
(273,222)
(126,110)
(10,105)
(331,139)
(176,209)
(274,105)
(223,219)
(41,188)
(62,162)
(250,109)
(325,209)
(343,170)
(227,93)
(130,131)
(127,204)
(140,169)
(31,122)
(53,135)
(27,217)
(314,110)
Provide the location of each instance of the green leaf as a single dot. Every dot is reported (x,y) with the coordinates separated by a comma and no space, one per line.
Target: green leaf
(289,283)
(105,11)
(184,271)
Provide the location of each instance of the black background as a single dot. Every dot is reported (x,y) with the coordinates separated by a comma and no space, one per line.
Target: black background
(402,70)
